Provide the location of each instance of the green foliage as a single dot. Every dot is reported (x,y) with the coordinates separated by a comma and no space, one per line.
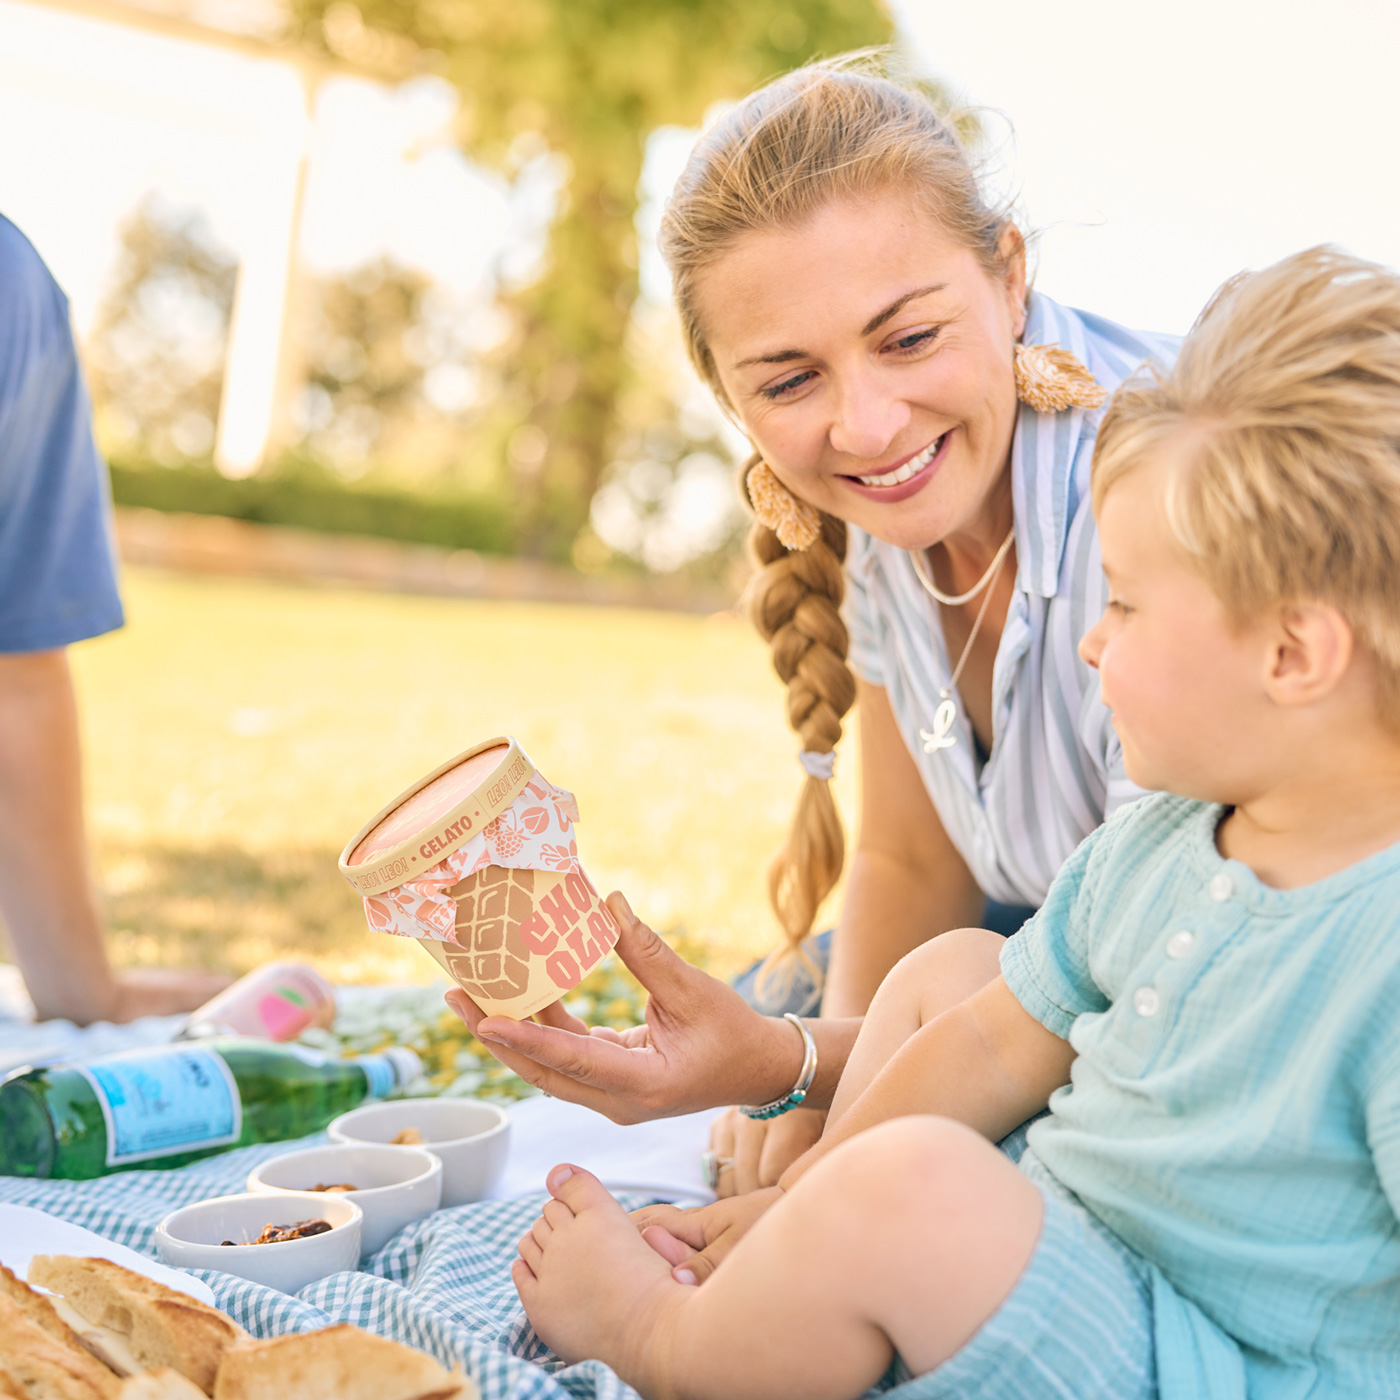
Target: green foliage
(586,80)
(306,495)
(155,358)
(380,342)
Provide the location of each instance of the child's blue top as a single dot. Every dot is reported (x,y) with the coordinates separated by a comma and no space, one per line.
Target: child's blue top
(1234,1110)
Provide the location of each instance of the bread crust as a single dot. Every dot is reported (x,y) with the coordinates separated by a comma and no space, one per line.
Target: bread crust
(165,1384)
(37,1308)
(336,1363)
(44,1368)
(161,1327)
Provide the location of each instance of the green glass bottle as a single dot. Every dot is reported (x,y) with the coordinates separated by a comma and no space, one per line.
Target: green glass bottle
(171,1104)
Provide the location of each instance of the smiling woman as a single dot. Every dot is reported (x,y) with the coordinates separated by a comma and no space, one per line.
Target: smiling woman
(923,425)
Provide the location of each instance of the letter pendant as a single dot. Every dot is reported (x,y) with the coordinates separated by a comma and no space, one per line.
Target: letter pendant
(940,737)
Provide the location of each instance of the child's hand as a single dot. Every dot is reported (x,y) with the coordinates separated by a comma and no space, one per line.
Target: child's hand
(694,1242)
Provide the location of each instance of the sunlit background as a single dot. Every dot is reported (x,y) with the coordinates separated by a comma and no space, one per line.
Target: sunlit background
(390,270)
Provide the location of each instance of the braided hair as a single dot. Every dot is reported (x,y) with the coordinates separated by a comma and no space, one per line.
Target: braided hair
(795,603)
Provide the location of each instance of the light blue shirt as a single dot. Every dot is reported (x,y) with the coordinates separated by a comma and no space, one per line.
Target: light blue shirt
(1055,769)
(58,579)
(1234,1111)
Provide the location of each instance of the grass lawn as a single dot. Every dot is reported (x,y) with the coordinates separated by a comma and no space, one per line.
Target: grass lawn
(238,733)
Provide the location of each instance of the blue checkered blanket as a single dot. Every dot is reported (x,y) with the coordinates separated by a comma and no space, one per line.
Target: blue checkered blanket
(442,1284)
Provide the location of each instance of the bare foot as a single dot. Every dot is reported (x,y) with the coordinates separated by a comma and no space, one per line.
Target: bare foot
(591,1286)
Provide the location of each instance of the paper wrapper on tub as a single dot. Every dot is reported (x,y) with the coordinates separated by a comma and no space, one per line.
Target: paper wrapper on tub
(506,909)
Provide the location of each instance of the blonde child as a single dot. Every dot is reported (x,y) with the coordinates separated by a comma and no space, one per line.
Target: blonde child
(1207,1000)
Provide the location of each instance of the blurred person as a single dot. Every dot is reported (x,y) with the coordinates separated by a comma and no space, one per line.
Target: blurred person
(58,585)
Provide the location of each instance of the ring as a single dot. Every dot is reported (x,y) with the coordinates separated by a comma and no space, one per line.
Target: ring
(711,1165)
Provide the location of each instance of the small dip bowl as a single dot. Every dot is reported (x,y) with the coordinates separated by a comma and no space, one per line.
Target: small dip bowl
(394,1185)
(192,1237)
(471,1138)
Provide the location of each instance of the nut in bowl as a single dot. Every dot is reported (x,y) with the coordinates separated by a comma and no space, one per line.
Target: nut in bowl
(393,1186)
(479,862)
(193,1237)
(471,1138)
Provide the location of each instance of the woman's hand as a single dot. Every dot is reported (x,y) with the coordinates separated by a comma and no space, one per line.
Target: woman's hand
(694,1242)
(761,1150)
(702,1044)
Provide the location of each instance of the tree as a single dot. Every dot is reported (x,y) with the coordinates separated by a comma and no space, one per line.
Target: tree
(587,80)
(391,373)
(155,357)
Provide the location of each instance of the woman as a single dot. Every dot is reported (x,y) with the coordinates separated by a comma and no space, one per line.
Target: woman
(862,311)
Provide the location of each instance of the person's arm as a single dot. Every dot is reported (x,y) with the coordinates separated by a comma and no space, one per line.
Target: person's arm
(46,892)
(906,882)
(702,1045)
(987,1063)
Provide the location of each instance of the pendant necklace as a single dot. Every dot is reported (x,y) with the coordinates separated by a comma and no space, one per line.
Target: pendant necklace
(941,735)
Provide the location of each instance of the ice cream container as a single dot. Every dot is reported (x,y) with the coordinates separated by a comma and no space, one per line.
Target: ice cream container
(479,862)
(274,1002)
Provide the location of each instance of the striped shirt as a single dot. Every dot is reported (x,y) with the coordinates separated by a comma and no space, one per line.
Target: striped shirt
(1056,768)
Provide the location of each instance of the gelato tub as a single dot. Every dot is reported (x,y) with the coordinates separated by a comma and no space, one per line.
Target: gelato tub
(479,862)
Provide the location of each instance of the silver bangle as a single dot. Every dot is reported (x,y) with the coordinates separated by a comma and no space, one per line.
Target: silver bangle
(798,1093)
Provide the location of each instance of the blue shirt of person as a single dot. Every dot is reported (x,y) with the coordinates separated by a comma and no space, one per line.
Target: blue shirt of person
(58,577)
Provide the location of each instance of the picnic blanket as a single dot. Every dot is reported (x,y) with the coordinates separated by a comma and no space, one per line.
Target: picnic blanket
(442,1284)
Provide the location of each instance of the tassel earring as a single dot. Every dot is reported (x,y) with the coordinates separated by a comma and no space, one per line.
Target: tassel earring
(795,523)
(1050,380)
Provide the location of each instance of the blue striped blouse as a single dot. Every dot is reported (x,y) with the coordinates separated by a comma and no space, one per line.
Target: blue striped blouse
(1056,769)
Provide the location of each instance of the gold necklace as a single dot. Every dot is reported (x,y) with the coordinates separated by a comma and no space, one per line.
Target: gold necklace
(941,736)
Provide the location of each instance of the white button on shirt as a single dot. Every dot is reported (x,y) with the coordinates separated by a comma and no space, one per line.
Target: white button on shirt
(1221,887)
(1180,943)
(1146,1002)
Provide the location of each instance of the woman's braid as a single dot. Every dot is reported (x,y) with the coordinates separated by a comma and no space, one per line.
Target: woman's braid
(795,601)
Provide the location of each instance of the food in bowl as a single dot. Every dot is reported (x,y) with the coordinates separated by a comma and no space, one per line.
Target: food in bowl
(279,1234)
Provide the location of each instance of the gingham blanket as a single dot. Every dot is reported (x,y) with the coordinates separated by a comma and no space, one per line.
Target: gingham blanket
(442,1284)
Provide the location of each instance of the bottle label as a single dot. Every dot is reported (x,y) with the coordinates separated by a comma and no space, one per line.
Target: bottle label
(379,1073)
(160,1102)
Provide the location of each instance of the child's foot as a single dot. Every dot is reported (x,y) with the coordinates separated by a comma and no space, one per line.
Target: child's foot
(591,1286)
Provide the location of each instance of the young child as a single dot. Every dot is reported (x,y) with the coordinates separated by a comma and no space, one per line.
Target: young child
(1207,1001)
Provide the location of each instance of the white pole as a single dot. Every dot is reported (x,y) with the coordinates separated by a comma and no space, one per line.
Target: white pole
(249,413)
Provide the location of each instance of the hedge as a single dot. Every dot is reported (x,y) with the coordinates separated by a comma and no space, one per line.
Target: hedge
(309,497)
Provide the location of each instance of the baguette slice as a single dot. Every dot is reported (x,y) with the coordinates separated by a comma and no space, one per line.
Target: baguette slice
(45,1369)
(38,1309)
(157,1325)
(165,1384)
(336,1363)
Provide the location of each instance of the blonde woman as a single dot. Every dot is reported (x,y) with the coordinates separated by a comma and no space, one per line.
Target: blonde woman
(923,426)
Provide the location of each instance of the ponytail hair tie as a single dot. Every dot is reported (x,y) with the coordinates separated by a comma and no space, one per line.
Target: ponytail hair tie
(818,765)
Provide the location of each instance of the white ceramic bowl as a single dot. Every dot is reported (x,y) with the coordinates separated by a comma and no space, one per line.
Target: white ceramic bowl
(397,1185)
(192,1238)
(471,1138)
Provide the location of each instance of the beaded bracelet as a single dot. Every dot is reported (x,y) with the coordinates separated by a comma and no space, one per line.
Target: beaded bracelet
(795,1096)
